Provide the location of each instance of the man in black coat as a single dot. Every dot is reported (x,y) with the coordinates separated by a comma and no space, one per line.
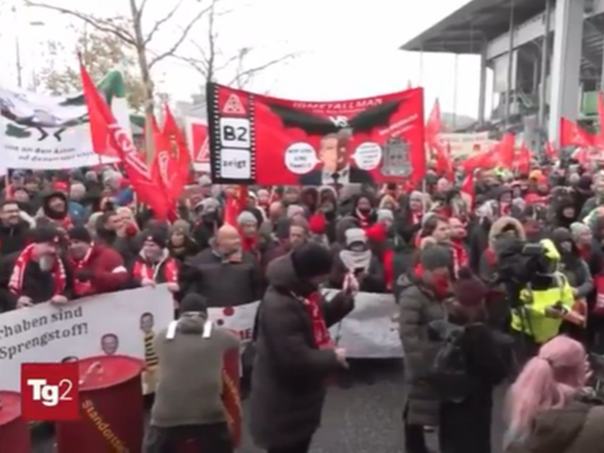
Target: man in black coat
(294,353)
(13,229)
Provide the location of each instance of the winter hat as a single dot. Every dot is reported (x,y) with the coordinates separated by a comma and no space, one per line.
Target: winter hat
(156,236)
(317,224)
(79,233)
(384,214)
(45,234)
(181,226)
(434,257)
(246,217)
(294,209)
(193,302)
(311,260)
(376,233)
(204,181)
(207,206)
(468,290)
(355,235)
(578,229)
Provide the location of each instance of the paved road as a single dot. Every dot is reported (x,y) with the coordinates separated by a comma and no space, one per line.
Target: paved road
(363,418)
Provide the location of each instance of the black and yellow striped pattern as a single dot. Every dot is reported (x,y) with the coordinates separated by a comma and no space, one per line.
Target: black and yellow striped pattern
(150,356)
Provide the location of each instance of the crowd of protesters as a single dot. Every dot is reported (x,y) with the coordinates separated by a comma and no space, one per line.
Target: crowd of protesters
(66,236)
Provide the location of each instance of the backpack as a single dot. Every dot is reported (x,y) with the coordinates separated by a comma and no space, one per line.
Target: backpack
(448,373)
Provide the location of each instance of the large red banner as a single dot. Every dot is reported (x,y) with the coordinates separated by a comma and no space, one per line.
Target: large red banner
(268,141)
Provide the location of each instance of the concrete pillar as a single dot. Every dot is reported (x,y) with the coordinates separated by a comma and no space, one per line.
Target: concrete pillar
(545,61)
(482,95)
(566,64)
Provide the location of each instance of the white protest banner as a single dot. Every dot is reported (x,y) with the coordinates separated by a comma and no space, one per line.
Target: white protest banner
(463,144)
(43,132)
(369,331)
(114,323)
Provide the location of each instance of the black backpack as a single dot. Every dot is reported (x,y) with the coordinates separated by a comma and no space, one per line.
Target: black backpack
(448,374)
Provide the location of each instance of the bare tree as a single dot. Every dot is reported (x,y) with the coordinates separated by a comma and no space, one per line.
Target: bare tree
(210,61)
(131,33)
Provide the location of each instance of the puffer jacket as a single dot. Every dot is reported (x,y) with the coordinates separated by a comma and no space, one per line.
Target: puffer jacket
(576,428)
(418,307)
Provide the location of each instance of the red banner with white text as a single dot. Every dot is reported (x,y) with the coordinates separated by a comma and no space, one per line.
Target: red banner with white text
(268,141)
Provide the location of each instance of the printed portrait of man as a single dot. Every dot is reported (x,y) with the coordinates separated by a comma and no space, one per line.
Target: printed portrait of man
(109,343)
(334,154)
(147,323)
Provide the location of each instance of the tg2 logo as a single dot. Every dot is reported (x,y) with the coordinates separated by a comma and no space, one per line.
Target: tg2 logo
(50,391)
(49,395)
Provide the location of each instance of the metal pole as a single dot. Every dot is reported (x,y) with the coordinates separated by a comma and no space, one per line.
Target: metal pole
(18,52)
(544,65)
(455,68)
(508,94)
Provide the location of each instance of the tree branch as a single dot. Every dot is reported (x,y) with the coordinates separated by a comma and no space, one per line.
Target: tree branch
(161,21)
(185,33)
(99,24)
(244,77)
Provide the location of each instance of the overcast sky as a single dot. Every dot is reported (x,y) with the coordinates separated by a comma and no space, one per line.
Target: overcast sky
(348,49)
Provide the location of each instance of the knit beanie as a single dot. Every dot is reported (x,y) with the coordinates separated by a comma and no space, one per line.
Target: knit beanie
(246,217)
(435,257)
(578,229)
(157,236)
(384,214)
(355,235)
(79,233)
(468,290)
(317,224)
(311,260)
(207,206)
(193,302)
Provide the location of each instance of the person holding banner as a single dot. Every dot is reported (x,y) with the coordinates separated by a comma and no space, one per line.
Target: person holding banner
(97,269)
(188,399)
(36,274)
(294,351)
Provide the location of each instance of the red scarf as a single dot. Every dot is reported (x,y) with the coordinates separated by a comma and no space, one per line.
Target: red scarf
(416,217)
(82,288)
(319,328)
(490,257)
(142,270)
(250,245)
(16,279)
(460,256)
(363,220)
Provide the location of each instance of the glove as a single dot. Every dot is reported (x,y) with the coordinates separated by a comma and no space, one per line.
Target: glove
(83,275)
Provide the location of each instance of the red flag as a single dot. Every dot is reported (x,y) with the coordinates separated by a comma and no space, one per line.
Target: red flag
(104,126)
(467,186)
(550,151)
(444,165)
(433,125)
(233,205)
(164,168)
(483,159)
(183,158)
(523,160)
(572,135)
(505,150)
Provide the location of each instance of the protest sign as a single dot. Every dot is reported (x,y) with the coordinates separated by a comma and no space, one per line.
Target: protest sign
(43,132)
(114,323)
(257,139)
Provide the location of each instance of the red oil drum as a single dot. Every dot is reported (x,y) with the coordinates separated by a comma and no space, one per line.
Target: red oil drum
(232,402)
(111,402)
(14,431)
